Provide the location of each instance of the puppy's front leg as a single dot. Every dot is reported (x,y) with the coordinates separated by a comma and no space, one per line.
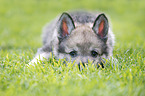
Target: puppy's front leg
(42,56)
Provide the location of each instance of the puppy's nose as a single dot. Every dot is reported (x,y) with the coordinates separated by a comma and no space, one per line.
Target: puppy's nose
(100,64)
(79,65)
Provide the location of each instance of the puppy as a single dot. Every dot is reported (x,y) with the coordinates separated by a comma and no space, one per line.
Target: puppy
(77,36)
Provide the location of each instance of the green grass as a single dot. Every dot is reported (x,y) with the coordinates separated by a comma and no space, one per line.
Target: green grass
(20,36)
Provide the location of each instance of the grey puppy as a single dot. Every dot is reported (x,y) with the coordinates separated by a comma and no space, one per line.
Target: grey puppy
(77,36)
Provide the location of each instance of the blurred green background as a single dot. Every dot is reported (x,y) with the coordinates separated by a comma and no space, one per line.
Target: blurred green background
(21,22)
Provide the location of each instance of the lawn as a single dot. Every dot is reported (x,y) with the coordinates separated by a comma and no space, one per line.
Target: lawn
(21,23)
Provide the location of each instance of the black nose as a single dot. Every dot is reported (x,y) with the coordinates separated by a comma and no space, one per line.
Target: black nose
(84,65)
(100,65)
(79,65)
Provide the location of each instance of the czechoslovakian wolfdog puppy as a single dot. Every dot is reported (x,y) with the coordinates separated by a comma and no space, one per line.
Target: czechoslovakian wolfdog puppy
(77,36)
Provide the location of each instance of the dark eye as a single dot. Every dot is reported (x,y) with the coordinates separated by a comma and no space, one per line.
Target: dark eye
(73,53)
(94,53)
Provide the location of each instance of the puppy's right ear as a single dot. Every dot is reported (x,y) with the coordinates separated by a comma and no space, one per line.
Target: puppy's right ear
(65,25)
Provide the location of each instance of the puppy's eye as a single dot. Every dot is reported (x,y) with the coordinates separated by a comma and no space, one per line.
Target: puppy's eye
(73,53)
(94,53)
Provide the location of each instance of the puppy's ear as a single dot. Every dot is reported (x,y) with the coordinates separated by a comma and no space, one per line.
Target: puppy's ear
(65,25)
(101,27)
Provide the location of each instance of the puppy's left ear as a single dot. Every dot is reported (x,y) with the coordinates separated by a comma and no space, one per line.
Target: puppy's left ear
(65,25)
(101,27)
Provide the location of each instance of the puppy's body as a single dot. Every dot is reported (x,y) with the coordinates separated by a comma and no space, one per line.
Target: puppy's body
(79,36)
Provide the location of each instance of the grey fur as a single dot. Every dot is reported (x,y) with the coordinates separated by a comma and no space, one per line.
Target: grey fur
(82,39)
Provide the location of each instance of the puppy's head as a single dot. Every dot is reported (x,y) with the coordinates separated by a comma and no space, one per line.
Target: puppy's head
(82,43)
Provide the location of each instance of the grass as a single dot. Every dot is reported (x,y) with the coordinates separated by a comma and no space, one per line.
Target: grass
(20,36)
